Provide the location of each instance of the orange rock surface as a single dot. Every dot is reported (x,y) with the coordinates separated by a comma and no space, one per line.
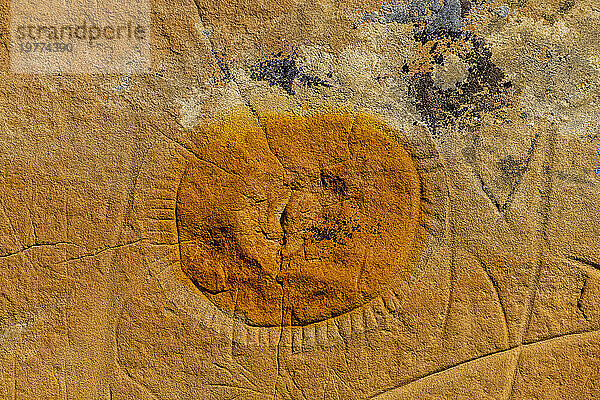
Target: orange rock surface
(301,218)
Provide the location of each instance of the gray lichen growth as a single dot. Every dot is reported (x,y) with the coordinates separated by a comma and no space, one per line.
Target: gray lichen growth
(501,11)
(437,15)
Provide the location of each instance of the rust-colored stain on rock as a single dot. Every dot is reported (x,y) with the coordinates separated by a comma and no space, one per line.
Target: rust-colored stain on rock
(298,219)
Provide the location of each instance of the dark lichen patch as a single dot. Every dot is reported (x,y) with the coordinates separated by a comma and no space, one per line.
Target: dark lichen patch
(485,88)
(424,36)
(225,71)
(324,233)
(337,231)
(465,8)
(553,14)
(506,174)
(566,6)
(439,29)
(511,167)
(281,70)
(333,183)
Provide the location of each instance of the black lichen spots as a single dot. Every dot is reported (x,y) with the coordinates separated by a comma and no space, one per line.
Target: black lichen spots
(553,14)
(485,88)
(324,233)
(511,167)
(333,183)
(376,230)
(337,231)
(424,36)
(311,80)
(223,67)
(281,70)
(566,6)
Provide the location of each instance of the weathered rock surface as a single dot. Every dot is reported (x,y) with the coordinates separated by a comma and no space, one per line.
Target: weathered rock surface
(111,284)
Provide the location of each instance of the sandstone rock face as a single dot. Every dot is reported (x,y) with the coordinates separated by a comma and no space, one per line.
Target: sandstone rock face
(309,200)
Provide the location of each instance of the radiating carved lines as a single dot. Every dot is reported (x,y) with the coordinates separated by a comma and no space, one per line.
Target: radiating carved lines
(378,314)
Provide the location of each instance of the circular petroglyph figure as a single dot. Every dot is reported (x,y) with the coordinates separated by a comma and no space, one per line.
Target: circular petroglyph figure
(299,219)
